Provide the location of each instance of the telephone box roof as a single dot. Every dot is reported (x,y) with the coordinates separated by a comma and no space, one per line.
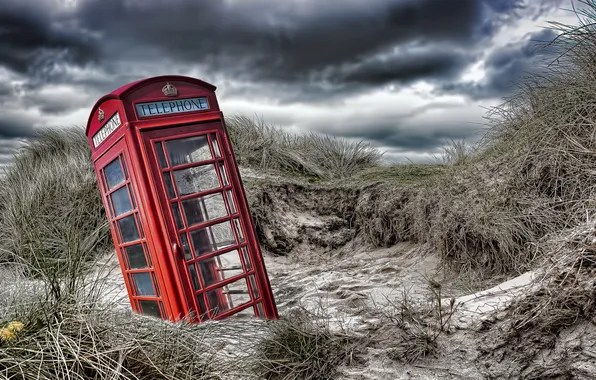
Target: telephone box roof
(125,90)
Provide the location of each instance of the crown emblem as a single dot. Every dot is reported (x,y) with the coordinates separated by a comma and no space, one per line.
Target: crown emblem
(100,115)
(169,90)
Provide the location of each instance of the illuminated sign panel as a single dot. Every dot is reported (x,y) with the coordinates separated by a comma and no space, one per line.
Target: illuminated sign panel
(109,127)
(172,107)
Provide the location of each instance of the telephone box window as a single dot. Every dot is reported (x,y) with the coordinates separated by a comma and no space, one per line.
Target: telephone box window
(215,145)
(188,150)
(161,155)
(239,231)
(227,265)
(144,284)
(253,285)
(237,294)
(212,238)
(231,201)
(196,179)
(185,246)
(203,209)
(246,258)
(136,256)
(192,272)
(121,201)
(150,308)
(224,175)
(169,186)
(114,174)
(128,229)
(177,216)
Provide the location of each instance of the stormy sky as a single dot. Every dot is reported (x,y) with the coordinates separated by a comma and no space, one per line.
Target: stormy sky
(405,75)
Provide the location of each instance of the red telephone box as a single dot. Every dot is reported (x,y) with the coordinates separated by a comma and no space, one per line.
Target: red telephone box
(183,232)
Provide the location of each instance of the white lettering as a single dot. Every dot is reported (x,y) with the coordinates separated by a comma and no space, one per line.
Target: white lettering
(110,126)
(172,106)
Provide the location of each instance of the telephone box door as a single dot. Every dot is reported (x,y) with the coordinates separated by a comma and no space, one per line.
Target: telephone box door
(207,219)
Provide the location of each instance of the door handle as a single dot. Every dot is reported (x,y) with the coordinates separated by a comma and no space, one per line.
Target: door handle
(176,249)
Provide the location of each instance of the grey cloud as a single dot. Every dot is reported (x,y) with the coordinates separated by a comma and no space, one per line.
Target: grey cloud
(507,66)
(12,126)
(32,44)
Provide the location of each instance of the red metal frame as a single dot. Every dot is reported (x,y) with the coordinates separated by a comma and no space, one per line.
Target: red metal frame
(191,287)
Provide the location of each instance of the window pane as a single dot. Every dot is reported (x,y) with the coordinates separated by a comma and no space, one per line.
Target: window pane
(260,309)
(231,201)
(169,187)
(121,201)
(177,216)
(136,256)
(197,179)
(192,272)
(238,295)
(202,307)
(246,258)
(212,238)
(187,150)
(202,209)
(128,229)
(144,284)
(255,288)
(239,230)
(114,174)
(220,267)
(150,308)
(160,155)
(185,246)
(224,174)
(215,145)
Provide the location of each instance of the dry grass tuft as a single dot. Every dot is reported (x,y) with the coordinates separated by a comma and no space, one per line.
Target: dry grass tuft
(50,200)
(303,347)
(266,147)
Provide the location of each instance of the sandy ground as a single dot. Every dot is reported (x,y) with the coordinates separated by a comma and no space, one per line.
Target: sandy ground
(356,287)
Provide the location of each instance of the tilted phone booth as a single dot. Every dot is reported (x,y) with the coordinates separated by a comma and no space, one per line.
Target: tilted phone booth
(180,222)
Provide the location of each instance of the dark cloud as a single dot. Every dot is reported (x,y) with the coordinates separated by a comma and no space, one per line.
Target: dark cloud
(13,126)
(284,51)
(32,43)
(339,43)
(507,66)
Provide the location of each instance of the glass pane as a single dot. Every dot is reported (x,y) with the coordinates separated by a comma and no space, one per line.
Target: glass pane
(231,201)
(197,179)
(260,309)
(192,272)
(255,288)
(169,187)
(220,267)
(128,229)
(224,174)
(215,145)
(212,238)
(121,201)
(185,246)
(114,173)
(203,209)
(136,256)
(236,294)
(144,284)
(202,307)
(246,258)
(187,150)
(239,230)
(150,308)
(160,155)
(177,216)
